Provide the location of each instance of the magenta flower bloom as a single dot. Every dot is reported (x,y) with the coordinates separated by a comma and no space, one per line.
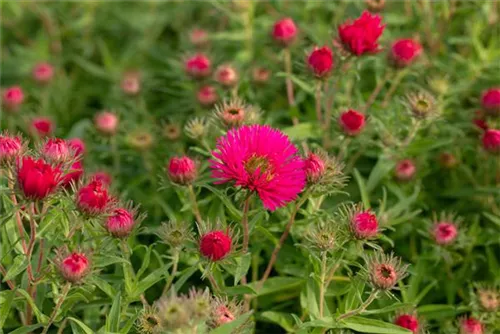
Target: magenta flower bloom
(261,159)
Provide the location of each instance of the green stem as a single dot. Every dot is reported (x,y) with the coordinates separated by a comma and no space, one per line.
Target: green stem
(116,154)
(194,203)
(322,284)
(360,309)
(65,291)
(175,263)
(317,96)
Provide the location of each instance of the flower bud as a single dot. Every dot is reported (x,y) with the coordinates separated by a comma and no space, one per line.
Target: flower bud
(77,145)
(106,123)
(320,61)
(182,170)
(175,234)
(285,31)
(196,128)
(103,177)
(174,312)
(375,6)
(172,131)
(363,225)
(445,233)
(314,167)
(479,120)
(404,52)
(43,72)
(36,178)
(207,96)
(73,175)
(490,101)
(226,76)
(471,325)
(93,199)
(260,75)
(198,37)
(198,66)
(231,113)
(120,223)
(489,299)
(408,321)
(224,311)
(199,302)
(405,170)
(140,140)
(10,148)
(384,271)
(74,267)
(56,150)
(12,98)
(352,122)
(131,83)
(42,127)
(491,140)
(360,36)
(422,105)
(215,245)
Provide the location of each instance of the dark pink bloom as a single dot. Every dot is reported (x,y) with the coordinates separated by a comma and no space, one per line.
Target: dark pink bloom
(43,72)
(77,145)
(73,175)
(104,177)
(405,170)
(42,126)
(207,95)
(352,122)
(314,167)
(261,159)
(471,325)
(36,178)
(56,150)
(10,147)
(364,225)
(404,52)
(120,223)
(215,245)
(106,122)
(198,66)
(285,31)
(74,267)
(491,140)
(445,233)
(12,98)
(320,61)
(93,198)
(408,321)
(361,36)
(490,101)
(182,170)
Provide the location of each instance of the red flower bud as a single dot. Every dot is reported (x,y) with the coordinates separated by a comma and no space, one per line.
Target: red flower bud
(93,199)
(285,31)
(77,145)
(56,150)
(198,66)
(364,225)
(42,127)
(471,325)
(405,170)
(12,98)
(479,120)
(10,147)
(43,72)
(74,267)
(182,170)
(73,175)
(361,36)
(106,122)
(207,95)
(320,61)
(102,177)
(315,167)
(226,75)
(404,52)
(261,75)
(352,122)
(215,245)
(120,223)
(491,140)
(408,321)
(36,178)
(490,101)
(445,233)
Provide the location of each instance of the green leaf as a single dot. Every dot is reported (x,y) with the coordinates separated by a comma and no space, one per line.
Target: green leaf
(145,263)
(285,320)
(276,284)
(19,264)
(104,286)
(106,260)
(26,329)
(150,280)
(239,290)
(366,325)
(186,274)
(362,189)
(243,264)
(301,131)
(438,311)
(42,318)
(232,326)
(390,308)
(113,319)
(302,84)
(379,171)
(81,325)
(492,218)
(6,305)
(127,326)
(232,210)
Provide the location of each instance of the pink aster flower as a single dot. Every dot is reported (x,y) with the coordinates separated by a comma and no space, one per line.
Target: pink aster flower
(261,159)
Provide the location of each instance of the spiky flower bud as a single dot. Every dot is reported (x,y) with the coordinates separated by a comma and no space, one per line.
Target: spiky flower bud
(10,147)
(224,311)
(77,146)
(12,98)
(73,267)
(198,37)
(363,224)
(226,75)
(444,233)
(198,66)
(182,170)
(352,122)
(405,170)
(104,177)
(175,233)
(56,150)
(106,123)
(172,131)
(285,31)
(121,222)
(384,271)
(489,298)
(196,128)
(215,245)
(43,72)
(231,113)
(93,199)
(199,304)
(41,127)
(490,101)
(323,236)
(148,321)
(324,173)
(408,321)
(141,140)
(491,141)
(173,311)
(422,105)
(260,75)
(320,61)
(207,95)
(470,325)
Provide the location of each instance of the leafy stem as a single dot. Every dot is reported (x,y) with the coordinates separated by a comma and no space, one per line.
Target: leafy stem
(194,203)
(62,297)
(363,306)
